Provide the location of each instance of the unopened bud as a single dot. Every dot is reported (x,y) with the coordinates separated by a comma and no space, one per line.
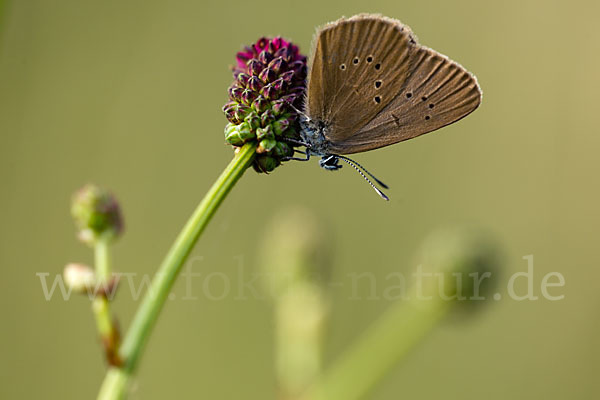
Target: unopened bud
(96,214)
(79,277)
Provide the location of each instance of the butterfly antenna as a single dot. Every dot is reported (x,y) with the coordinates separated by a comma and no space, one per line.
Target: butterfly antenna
(379,192)
(350,161)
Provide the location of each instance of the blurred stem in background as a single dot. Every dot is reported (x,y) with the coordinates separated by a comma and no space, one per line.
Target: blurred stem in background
(296,266)
(116,380)
(99,221)
(107,326)
(457,260)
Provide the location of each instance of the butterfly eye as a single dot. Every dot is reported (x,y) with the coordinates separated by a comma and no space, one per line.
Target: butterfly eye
(343,67)
(377,84)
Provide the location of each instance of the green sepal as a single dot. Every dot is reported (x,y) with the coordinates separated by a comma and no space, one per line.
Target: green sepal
(265,164)
(266,145)
(253,120)
(232,135)
(264,133)
(282,149)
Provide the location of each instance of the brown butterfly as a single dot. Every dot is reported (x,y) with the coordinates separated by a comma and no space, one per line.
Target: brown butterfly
(371,84)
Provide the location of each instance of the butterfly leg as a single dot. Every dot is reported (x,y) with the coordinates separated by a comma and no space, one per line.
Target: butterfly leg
(307,154)
(296,142)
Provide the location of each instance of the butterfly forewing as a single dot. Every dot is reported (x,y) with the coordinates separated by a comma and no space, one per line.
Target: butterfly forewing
(438,92)
(358,66)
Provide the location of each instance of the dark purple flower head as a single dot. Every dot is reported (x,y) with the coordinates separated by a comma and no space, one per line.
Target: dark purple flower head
(269,82)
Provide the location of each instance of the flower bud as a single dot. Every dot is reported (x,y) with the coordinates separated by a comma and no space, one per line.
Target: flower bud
(283,53)
(279,108)
(261,44)
(255,67)
(279,85)
(283,149)
(248,96)
(269,92)
(266,118)
(266,145)
(278,65)
(465,265)
(265,163)
(79,277)
(267,75)
(265,57)
(265,133)
(235,93)
(253,120)
(288,77)
(242,79)
(260,104)
(280,125)
(96,214)
(255,84)
(232,135)
(243,57)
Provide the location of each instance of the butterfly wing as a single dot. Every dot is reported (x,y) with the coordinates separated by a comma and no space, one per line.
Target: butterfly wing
(437,92)
(350,56)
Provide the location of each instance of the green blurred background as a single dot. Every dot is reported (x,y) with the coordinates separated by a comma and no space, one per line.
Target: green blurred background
(128,94)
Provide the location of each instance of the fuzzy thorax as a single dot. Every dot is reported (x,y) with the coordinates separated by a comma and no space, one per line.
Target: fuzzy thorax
(312,133)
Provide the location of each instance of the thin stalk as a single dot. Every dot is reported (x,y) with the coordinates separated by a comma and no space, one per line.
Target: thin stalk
(101,305)
(115,382)
(386,342)
(102,259)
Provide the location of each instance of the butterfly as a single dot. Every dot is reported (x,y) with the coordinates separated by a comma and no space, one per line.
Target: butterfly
(371,84)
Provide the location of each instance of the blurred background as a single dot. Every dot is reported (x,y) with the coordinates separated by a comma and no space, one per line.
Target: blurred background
(128,94)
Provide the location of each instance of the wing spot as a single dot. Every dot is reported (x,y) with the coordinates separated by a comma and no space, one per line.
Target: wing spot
(396,120)
(370,59)
(377,66)
(431,105)
(356,60)
(377,99)
(343,67)
(427,118)
(424,98)
(408,95)
(378,84)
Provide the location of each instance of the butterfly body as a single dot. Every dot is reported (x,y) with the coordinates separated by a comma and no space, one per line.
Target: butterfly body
(313,133)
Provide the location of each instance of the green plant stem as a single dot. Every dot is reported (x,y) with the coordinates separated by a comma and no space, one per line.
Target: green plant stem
(102,258)
(386,342)
(115,382)
(101,304)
